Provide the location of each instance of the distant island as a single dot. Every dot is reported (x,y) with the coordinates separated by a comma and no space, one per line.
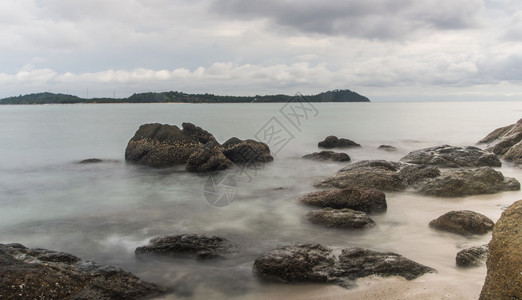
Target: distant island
(179,97)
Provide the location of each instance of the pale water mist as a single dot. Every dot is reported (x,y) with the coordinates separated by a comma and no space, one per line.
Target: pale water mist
(103,211)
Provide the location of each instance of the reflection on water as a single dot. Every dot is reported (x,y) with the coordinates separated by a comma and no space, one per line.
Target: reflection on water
(103,211)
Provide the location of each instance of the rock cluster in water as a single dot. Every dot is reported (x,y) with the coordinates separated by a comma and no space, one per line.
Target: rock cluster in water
(506,142)
(43,274)
(158,145)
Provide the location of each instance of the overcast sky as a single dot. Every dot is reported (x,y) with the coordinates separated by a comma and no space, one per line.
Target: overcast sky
(383,49)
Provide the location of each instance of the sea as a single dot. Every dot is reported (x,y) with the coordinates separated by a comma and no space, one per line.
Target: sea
(102,211)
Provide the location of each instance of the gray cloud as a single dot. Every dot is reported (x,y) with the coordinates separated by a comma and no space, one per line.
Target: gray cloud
(379,19)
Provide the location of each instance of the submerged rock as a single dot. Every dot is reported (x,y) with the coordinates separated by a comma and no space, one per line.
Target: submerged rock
(335,142)
(447,156)
(365,200)
(246,152)
(465,182)
(473,256)
(340,218)
(504,277)
(506,142)
(188,245)
(91,161)
(328,155)
(44,274)
(463,222)
(315,263)
(387,148)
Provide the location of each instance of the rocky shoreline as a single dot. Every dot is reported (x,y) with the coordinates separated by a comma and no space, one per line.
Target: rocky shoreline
(346,200)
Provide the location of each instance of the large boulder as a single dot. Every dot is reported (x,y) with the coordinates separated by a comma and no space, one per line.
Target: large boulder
(328,155)
(365,200)
(506,142)
(504,277)
(247,152)
(340,218)
(463,222)
(465,182)
(44,274)
(316,263)
(187,245)
(447,156)
(335,142)
(472,257)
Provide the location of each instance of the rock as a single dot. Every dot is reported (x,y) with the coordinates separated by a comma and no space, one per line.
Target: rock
(377,164)
(299,263)
(464,222)
(328,155)
(188,245)
(340,218)
(465,182)
(504,277)
(387,148)
(315,263)
(365,200)
(334,142)
(247,152)
(473,256)
(506,142)
(447,156)
(414,174)
(44,274)
(358,262)
(208,158)
(158,145)
(359,175)
(91,161)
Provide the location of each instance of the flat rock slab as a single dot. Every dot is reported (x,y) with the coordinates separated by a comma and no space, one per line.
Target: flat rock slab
(335,142)
(447,156)
(316,263)
(365,200)
(466,182)
(188,246)
(340,218)
(328,155)
(464,222)
(472,257)
(44,274)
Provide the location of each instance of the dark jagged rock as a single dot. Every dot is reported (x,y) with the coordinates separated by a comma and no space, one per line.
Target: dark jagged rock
(358,262)
(340,218)
(413,174)
(188,245)
(299,263)
(328,155)
(471,257)
(387,148)
(44,274)
(335,142)
(210,157)
(247,152)
(464,222)
(504,277)
(447,156)
(315,263)
(506,142)
(366,200)
(465,182)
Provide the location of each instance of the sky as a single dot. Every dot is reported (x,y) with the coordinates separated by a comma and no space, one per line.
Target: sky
(387,50)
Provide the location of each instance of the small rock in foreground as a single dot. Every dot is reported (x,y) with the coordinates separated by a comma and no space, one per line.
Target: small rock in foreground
(472,257)
(464,222)
(340,218)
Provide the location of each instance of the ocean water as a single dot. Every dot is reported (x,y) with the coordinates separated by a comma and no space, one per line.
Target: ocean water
(102,212)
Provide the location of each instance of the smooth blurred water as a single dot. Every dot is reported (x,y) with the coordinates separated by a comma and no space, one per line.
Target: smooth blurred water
(102,212)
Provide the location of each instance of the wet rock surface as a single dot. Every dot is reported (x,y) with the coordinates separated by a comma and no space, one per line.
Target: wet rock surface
(504,277)
(335,142)
(506,142)
(447,156)
(316,263)
(472,257)
(340,218)
(246,152)
(188,245)
(328,155)
(464,222)
(365,200)
(44,274)
(465,182)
